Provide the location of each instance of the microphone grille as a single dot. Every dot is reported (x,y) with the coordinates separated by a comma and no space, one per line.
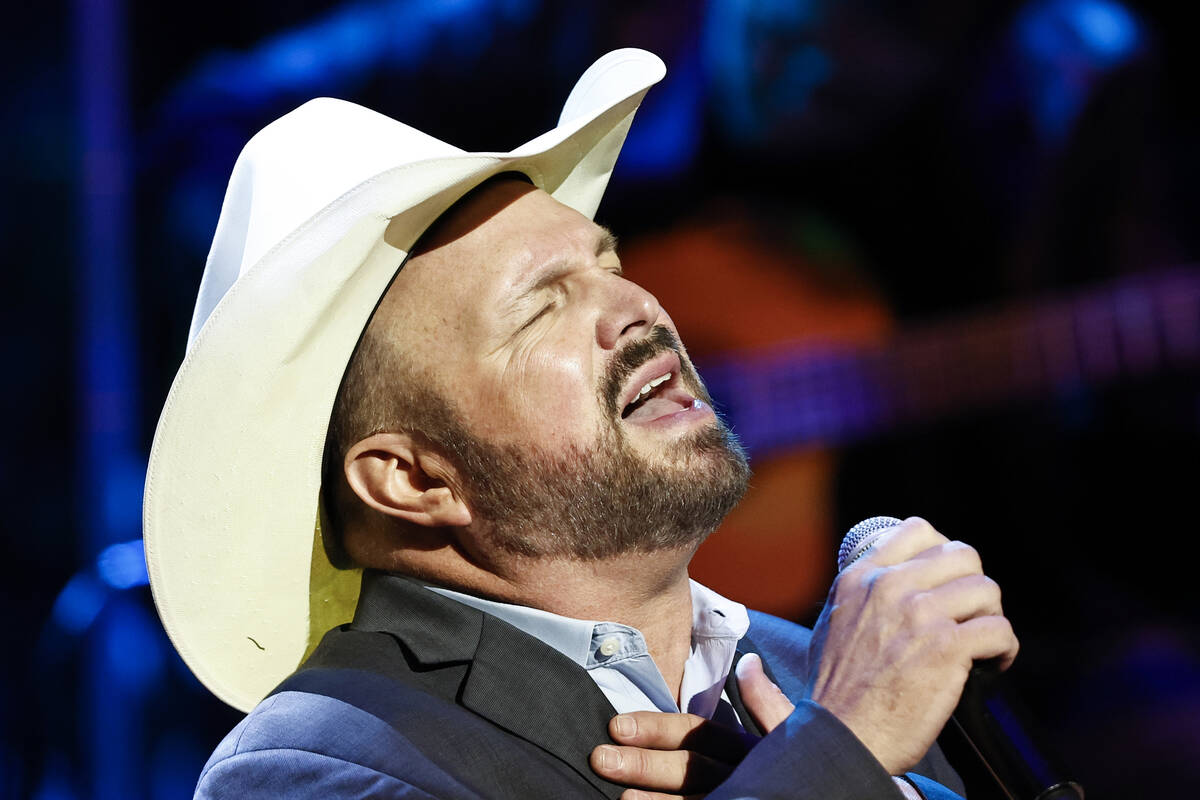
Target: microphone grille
(861,537)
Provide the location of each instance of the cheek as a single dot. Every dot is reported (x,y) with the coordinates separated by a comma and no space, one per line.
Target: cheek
(549,396)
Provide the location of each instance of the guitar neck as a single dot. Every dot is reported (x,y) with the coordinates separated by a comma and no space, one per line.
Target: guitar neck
(825,394)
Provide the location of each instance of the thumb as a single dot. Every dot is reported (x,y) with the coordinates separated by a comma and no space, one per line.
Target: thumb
(764,700)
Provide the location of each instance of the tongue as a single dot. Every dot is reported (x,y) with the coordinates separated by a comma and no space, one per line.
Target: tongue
(654,408)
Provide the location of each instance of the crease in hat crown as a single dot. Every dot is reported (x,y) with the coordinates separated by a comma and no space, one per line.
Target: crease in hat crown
(298,262)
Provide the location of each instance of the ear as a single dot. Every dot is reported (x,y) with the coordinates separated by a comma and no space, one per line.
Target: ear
(398,475)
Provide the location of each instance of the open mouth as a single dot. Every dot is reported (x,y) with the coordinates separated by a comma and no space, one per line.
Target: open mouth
(646,394)
(657,391)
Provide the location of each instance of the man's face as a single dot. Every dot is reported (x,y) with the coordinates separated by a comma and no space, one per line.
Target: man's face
(541,353)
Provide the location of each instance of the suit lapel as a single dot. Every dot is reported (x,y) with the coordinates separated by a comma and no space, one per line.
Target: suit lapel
(540,695)
(514,680)
(746,645)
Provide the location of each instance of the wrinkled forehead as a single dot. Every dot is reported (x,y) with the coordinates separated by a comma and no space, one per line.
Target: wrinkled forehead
(481,253)
(448,299)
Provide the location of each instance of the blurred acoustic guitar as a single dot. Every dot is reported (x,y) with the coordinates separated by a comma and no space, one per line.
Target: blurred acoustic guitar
(799,365)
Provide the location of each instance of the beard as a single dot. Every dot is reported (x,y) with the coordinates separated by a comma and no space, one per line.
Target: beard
(606,499)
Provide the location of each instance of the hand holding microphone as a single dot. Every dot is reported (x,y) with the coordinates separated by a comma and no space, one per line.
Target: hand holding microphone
(903,626)
(986,736)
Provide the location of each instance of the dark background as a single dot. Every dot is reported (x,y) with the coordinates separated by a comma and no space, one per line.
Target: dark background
(945,158)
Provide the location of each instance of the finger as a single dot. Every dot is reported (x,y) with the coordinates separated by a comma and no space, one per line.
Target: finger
(951,555)
(962,599)
(930,568)
(670,770)
(660,731)
(763,699)
(988,638)
(900,543)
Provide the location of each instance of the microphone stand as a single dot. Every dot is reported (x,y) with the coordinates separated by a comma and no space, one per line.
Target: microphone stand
(988,740)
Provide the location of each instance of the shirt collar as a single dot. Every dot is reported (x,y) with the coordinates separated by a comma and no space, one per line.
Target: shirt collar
(713,617)
(571,637)
(716,617)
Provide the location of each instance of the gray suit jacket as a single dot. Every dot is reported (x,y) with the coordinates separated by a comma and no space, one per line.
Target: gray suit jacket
(423,697)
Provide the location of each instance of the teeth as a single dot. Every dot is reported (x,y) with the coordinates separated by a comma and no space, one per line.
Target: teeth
(649,387)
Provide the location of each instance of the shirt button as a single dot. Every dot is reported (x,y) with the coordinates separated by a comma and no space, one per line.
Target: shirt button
(610,646)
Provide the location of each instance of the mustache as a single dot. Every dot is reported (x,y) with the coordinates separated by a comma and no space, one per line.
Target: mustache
(632,356)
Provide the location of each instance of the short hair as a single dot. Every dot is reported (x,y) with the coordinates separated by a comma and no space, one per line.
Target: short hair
(382,391)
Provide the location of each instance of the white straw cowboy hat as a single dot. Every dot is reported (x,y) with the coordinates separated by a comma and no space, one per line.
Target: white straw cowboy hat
(322,208)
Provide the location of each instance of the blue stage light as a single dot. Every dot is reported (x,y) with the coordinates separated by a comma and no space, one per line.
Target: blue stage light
(1109,28)
(79,602)
(335,53)
(123,565)
(1065,47)
(667,136)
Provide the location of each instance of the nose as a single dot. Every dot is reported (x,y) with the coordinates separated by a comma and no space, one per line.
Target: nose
(628,311)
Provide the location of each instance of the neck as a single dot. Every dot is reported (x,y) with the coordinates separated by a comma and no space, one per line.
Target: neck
(649,592)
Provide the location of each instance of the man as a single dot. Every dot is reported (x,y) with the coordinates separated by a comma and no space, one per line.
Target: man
(509,437)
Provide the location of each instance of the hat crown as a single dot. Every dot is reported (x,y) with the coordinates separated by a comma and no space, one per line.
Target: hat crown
(293,168)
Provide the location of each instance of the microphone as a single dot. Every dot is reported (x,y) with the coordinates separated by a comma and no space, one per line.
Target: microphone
(986,734)
(862,537)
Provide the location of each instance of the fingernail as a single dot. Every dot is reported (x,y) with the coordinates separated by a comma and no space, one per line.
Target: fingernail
(748,662)
(610,757)
(626,727)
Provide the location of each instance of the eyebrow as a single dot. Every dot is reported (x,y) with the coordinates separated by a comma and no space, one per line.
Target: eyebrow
(606,242)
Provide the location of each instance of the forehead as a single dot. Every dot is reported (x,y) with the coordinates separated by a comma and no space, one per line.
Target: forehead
(478,207)
(493,245)
(509,216)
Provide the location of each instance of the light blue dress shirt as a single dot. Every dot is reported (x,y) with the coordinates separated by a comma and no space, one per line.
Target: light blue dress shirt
(616,657)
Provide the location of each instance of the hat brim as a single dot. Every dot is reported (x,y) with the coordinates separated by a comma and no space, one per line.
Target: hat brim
(236,564)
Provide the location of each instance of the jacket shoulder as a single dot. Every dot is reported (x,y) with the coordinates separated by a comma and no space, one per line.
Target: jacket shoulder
(775,632)
(298,744)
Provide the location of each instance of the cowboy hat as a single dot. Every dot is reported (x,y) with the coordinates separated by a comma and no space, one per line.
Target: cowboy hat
(322,208)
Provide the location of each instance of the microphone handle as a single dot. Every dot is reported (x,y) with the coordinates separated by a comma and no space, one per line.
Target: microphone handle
(990,728)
